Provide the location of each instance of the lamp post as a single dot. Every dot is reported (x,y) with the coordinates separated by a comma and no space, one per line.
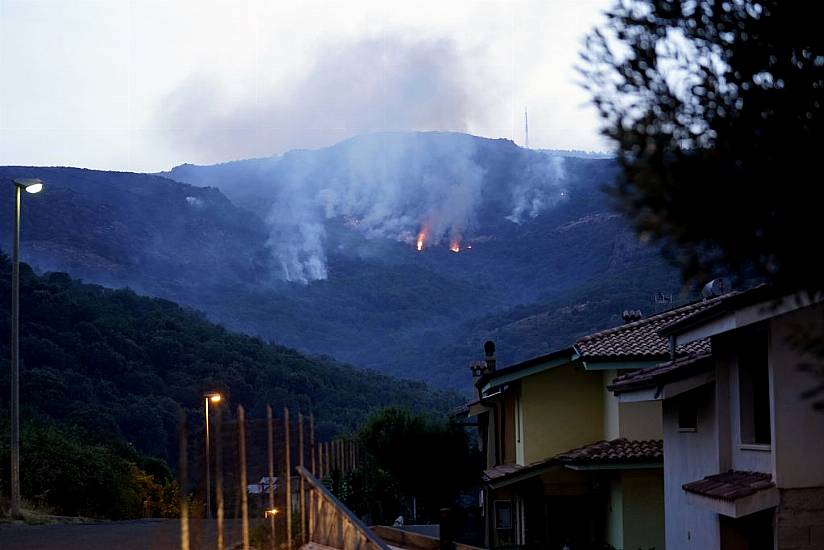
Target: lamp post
(31,186)
(215,398)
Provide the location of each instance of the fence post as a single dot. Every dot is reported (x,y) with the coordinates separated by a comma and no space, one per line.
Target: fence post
(244,495)
(183,480)
(221,544)
(312,443)
(270,444)
(287,462)
(300,481)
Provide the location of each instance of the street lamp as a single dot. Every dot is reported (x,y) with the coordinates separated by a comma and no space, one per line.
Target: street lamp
(215,398)
(31,186)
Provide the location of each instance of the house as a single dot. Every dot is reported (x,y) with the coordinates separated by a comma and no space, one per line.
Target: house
(744,451)
(566,461)
(262,486)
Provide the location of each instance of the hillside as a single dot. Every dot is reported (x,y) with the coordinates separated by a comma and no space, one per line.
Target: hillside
(317,250)
(118,365)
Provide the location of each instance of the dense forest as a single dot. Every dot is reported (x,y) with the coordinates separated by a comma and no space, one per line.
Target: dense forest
(104,374)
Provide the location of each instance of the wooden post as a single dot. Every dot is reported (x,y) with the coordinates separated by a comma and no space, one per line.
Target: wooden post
(270,441)
(354,454)
(301,452)
(244,495)
(221,543)
(287,474)
(320,460)
(312,444)
(183,481)
(311,515)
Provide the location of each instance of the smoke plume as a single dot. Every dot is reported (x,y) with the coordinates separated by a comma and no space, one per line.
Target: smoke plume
(401,186)
(382,83)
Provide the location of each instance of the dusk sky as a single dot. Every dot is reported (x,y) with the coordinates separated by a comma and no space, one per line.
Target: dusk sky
(144,85)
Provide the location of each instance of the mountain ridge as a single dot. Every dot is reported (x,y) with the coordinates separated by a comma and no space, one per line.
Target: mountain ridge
(541,230)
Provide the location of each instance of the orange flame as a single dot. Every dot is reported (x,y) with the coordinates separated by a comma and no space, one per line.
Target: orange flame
(421,239)
(455,247)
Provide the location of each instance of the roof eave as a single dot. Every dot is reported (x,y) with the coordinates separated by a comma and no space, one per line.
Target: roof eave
(526,368)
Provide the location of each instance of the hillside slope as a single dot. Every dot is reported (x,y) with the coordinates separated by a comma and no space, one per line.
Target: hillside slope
(119,365)
(317,250)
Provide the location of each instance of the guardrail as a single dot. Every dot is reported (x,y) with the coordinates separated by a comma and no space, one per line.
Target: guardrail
(332,524)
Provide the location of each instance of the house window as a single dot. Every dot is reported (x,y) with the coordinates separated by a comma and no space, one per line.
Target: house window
(754,387)
(687,415)
(503,514)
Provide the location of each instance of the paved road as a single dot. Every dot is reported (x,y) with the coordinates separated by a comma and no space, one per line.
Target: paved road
(149,534)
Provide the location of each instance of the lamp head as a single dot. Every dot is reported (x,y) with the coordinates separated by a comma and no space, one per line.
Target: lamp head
(213,397)
(31,185)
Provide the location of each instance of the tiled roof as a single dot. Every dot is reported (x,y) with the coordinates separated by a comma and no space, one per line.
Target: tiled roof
(661,374)
(721,305)
(615,451)
(504,470)
(640,339)
(730,485)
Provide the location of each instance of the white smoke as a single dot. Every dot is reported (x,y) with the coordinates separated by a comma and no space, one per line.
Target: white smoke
(393,186)
(195,202)
(541,188)
(388,184)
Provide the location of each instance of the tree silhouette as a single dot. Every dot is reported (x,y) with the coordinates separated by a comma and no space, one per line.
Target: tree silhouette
(715,108)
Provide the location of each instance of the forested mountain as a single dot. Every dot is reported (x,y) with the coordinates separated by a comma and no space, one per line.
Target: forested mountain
(105,373)
(120,364)
(318,250)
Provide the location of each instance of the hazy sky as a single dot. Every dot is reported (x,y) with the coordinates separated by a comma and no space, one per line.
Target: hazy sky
(143,85)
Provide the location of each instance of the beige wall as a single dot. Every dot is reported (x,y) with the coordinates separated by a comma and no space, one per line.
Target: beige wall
(641,420)
(563,408)
(615,514)
(612,428)
(630,420)
(642,492)
(509,412)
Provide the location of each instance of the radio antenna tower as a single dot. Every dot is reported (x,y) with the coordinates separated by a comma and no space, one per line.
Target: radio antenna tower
(526,130)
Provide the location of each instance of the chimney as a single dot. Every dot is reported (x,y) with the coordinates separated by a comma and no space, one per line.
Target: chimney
(632,315)
(489,355)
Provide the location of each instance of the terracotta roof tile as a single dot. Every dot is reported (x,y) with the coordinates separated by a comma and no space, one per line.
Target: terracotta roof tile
(615,451)
(661,374)
(730,485)
(503,470)
(640,339)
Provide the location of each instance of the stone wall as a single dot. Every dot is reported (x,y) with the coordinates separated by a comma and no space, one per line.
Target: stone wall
(800,519)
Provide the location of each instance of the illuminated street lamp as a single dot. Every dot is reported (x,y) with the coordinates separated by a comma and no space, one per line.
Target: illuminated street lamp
(214,398)
(31,186)
(271,513)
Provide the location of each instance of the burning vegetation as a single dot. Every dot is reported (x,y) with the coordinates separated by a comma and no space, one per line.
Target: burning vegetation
(423,236)
(421,240)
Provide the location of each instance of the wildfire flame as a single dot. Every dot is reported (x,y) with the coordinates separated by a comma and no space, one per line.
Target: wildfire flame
(455,247)
(421,239)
